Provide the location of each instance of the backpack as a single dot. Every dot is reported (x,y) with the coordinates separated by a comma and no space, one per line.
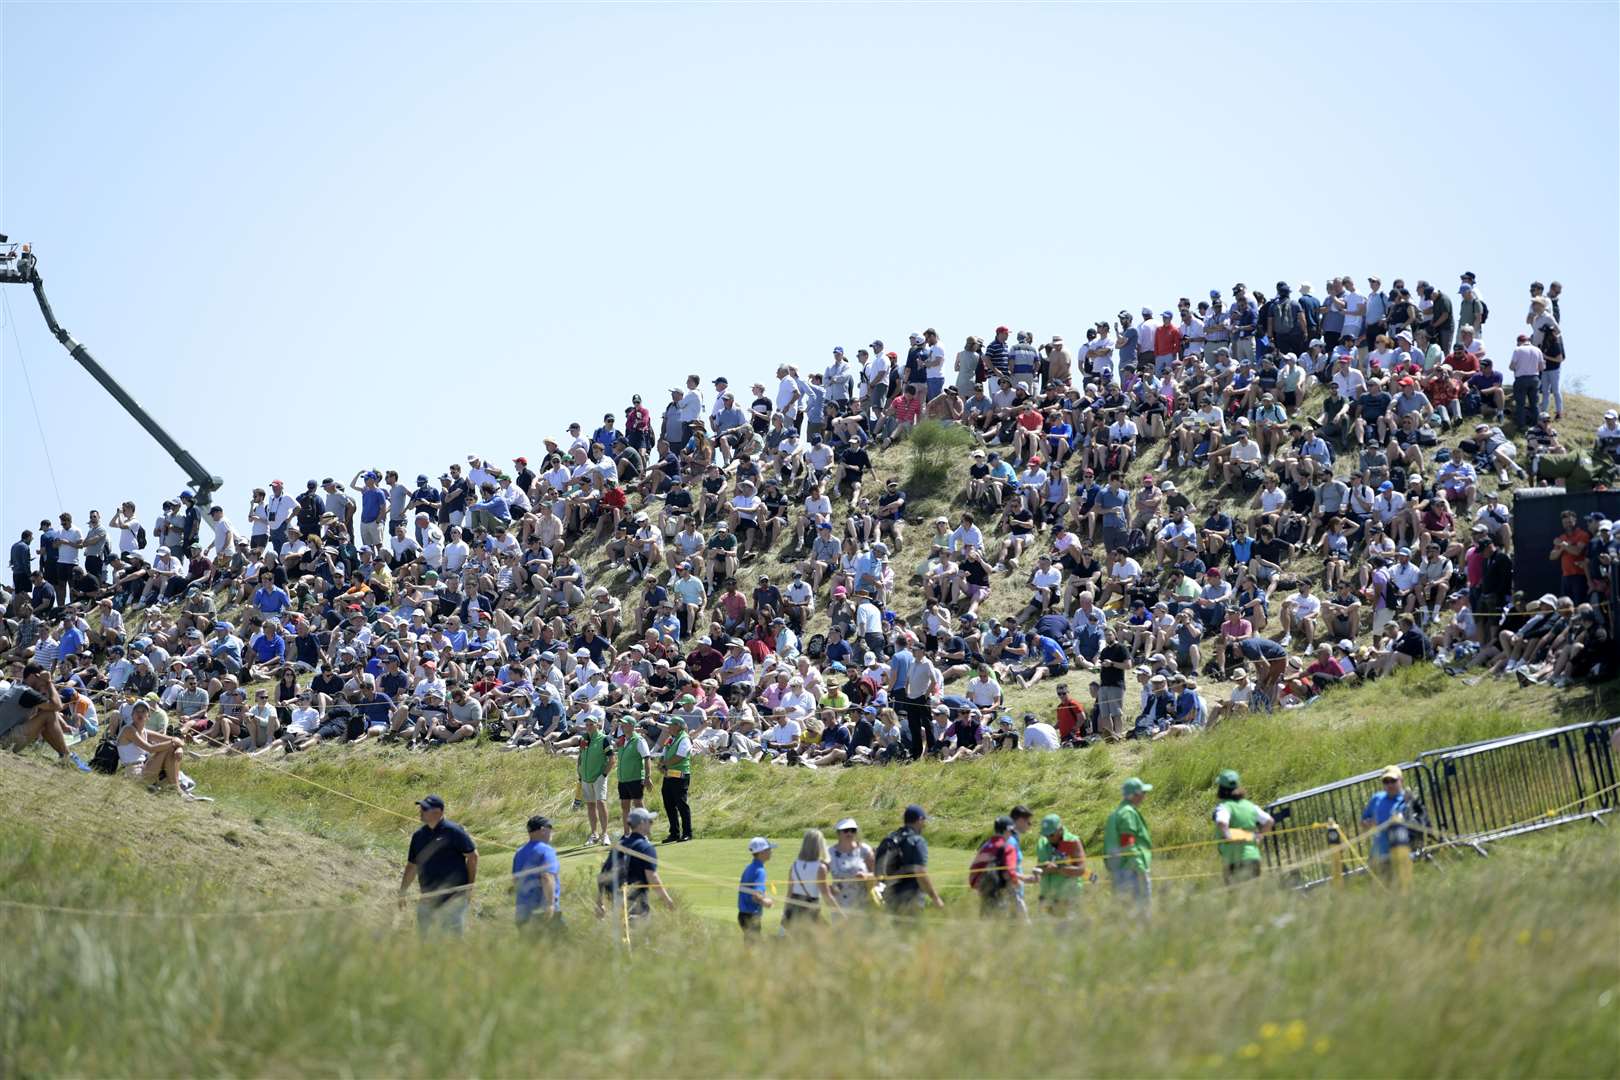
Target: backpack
(1552,343)
(105,759)
(886,859)
(140,536)
(816,647)
(987,873)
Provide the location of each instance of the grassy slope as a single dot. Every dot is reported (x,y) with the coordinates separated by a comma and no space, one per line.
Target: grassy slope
(1498,968)
(493,793)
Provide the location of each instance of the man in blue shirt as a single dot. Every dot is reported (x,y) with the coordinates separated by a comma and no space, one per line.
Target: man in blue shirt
(537,874)
(1380,808)
(269,598)
(22,561)
(751,897)
(632,869)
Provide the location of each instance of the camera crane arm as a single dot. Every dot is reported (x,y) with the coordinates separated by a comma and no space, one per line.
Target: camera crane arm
(22,269)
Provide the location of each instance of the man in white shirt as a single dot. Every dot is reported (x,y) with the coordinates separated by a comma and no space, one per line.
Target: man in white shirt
(1299,615)
(1527,364)
(278,511)
(1039,735)
(225,538)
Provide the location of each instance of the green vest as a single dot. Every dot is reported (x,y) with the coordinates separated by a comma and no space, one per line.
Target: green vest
(593,757)
(682,764)
(1126,819)
(632,766)
(1245,816)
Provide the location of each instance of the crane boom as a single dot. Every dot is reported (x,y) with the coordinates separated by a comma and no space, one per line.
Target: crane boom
(24,269)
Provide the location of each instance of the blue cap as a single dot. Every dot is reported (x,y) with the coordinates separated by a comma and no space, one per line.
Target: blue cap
(1214,294)
(421,478)
(877,344)
(1386,486)
(1164,314)
(838,350)
(187,495)
(915,813)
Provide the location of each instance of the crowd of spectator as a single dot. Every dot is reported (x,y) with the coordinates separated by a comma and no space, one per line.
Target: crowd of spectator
(1247,492)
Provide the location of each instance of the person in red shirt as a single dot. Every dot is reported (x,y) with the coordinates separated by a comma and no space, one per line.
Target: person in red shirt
(1071,717)
(1027,439)
(1463,361)
(1166,344)
(610,510)
(904,411)
(1570,552)
(1443,391)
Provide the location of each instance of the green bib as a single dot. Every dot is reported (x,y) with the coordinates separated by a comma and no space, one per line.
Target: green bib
(677,764)
(1245,816)
(632,766)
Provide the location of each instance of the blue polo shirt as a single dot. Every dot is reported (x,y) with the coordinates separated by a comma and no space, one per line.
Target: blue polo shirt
(751,888)
(373,502)
(531,861)
(1379,810)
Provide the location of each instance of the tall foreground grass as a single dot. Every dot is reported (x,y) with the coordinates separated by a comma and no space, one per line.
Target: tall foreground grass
(1506,967)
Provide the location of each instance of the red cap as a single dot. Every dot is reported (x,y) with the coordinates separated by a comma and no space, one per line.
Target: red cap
(893,355)
(1002,330)
(277,483)
(520,461)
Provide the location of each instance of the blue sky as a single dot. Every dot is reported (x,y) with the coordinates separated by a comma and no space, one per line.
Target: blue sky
(316,238)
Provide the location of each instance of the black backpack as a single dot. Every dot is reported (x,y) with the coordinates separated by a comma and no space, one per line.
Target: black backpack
(816,647)
(886,859)
(1552,343)
(140,536)
(105,759)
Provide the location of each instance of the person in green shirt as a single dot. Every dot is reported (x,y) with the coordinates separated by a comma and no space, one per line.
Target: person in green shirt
(675,752)
(634,753)
(1062,859)
(1128,846)
(595,754)
(1239,825)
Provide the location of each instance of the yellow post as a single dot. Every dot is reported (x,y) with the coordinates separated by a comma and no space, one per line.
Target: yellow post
(1336,852)
(1400,853)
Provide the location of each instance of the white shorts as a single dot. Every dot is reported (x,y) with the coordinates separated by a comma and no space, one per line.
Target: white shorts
(595,790)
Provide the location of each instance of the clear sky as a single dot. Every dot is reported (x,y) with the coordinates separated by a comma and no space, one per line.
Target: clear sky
(315,238)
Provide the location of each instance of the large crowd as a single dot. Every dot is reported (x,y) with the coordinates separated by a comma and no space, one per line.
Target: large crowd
(1298,525)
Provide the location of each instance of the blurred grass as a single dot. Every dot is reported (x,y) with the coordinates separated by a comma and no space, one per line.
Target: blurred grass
(1505,967)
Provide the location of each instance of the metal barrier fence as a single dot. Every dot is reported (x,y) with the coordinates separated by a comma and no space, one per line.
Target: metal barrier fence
(1473,794)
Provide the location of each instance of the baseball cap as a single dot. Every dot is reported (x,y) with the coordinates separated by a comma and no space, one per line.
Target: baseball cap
(915,813)
(1136,786)
(1392,772)
(845,824)
(759,844)
(430,802)
(1051,825)
(1228,779)
(640,815)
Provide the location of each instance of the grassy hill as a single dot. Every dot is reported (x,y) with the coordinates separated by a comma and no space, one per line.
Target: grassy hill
(1506,966)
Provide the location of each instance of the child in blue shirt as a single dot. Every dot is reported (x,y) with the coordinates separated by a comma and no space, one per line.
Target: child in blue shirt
(751,898)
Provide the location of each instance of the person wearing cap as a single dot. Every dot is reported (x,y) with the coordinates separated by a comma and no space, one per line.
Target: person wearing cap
(993,871)
(850,866)
(443,861)
(630,871)
(634,754)
(595,756)
(901,862)
(752,898)
(1239,825)
(1527,363)
(1061,858)
(1128,845)
(1389,801)
(537,876)
(675,759)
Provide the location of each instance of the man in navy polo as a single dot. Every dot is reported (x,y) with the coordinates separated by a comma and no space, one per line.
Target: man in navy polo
(443,860)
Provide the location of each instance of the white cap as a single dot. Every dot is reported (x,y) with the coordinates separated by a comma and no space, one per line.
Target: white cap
(847,823)
(759,844)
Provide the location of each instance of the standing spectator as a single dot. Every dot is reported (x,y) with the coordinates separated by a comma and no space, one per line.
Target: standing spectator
(1526,364)
(22,561)
(631,871)
(595,753)
(902,862)
(752,899)
(443,860)
(537,875)
(1128,846)
(1569,551)
(1380,808)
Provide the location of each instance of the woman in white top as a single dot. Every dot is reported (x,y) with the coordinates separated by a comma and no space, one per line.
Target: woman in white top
(808,884)
(156,757)
(850,864)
